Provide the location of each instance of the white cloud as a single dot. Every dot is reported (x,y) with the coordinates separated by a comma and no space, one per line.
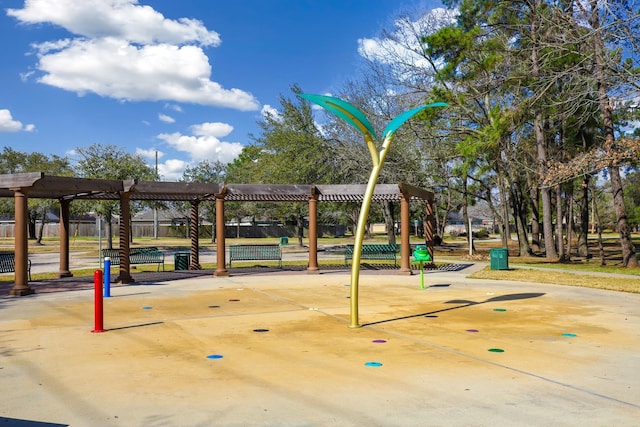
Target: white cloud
(215,129)
(268,110)
(130,52)
(150,153)
(172,169)
(8,124)
(165,118)
(169,170)
(173,107)
(205,143)
(124,19)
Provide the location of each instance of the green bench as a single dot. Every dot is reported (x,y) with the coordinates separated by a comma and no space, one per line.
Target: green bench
(374,251)
(8,263)
(151,255)
(255,252)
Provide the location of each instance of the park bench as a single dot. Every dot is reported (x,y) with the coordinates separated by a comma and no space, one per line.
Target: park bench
(150,255)
(255,252)
(8,263)
(374,251)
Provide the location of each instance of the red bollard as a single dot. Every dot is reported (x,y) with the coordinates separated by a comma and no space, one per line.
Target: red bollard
(97,302)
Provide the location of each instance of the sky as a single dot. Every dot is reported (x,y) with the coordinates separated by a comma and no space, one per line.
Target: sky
(184,80)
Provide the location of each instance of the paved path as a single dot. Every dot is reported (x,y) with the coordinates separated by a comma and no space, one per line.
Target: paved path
(265,349)
(49,262)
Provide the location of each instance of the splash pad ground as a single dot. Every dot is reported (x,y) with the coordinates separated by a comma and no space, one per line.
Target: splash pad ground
(276,349)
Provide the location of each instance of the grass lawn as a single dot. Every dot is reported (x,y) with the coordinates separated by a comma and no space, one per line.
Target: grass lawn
(562,278)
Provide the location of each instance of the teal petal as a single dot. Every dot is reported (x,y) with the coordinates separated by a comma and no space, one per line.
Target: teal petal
(401,118)
(344,110)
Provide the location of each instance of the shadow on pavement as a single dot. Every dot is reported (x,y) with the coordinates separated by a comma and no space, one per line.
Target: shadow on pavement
(464,304)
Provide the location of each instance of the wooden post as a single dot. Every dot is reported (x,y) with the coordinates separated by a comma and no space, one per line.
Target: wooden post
(125,232)
(313,233)
(194,264)
(428,230)
(21,278)
(221,261)
(64,239)
(405,233)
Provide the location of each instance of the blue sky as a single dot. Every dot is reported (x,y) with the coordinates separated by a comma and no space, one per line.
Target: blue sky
(188,79)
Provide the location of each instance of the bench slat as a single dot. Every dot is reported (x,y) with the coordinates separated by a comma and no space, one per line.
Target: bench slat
(374,251)
(8,263)
(150,255)
(255,252)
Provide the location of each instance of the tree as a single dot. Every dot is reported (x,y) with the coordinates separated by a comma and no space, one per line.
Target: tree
(12,161)
(632,198)
(293,150)
(205,172)
(533,67)
(40,208)
(403,162)
(475,75)
(594,13)
(111,162)
(400,74)
(290,150)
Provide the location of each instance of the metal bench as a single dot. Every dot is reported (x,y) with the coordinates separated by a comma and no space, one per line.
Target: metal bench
(255,252)
(374,251)
(151,255)
(8,263)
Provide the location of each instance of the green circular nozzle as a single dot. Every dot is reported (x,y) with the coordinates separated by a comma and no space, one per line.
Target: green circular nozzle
(421,253)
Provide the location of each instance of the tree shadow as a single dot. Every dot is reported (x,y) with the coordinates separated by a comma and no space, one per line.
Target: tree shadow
(463,304)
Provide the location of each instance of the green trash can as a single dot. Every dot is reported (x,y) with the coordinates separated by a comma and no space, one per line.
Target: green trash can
(284,241)
(181,260)
(499,258)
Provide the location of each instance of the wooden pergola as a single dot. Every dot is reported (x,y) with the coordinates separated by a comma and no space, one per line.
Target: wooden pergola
(23,186)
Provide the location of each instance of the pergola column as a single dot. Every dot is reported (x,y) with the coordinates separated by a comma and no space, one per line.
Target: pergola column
(125,233)
(428,230)
(405,232)
(313,234)
(21,278)
(193,232)
(221,262)
(64,239)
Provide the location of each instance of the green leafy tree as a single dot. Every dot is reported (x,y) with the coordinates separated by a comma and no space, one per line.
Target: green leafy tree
(289,150)
(632,198)
(474,78)
(40,208)
(204,172)
(605,24)
(111,162)
(12,161)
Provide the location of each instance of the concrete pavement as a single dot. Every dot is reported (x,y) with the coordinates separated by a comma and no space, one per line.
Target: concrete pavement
(275,350)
